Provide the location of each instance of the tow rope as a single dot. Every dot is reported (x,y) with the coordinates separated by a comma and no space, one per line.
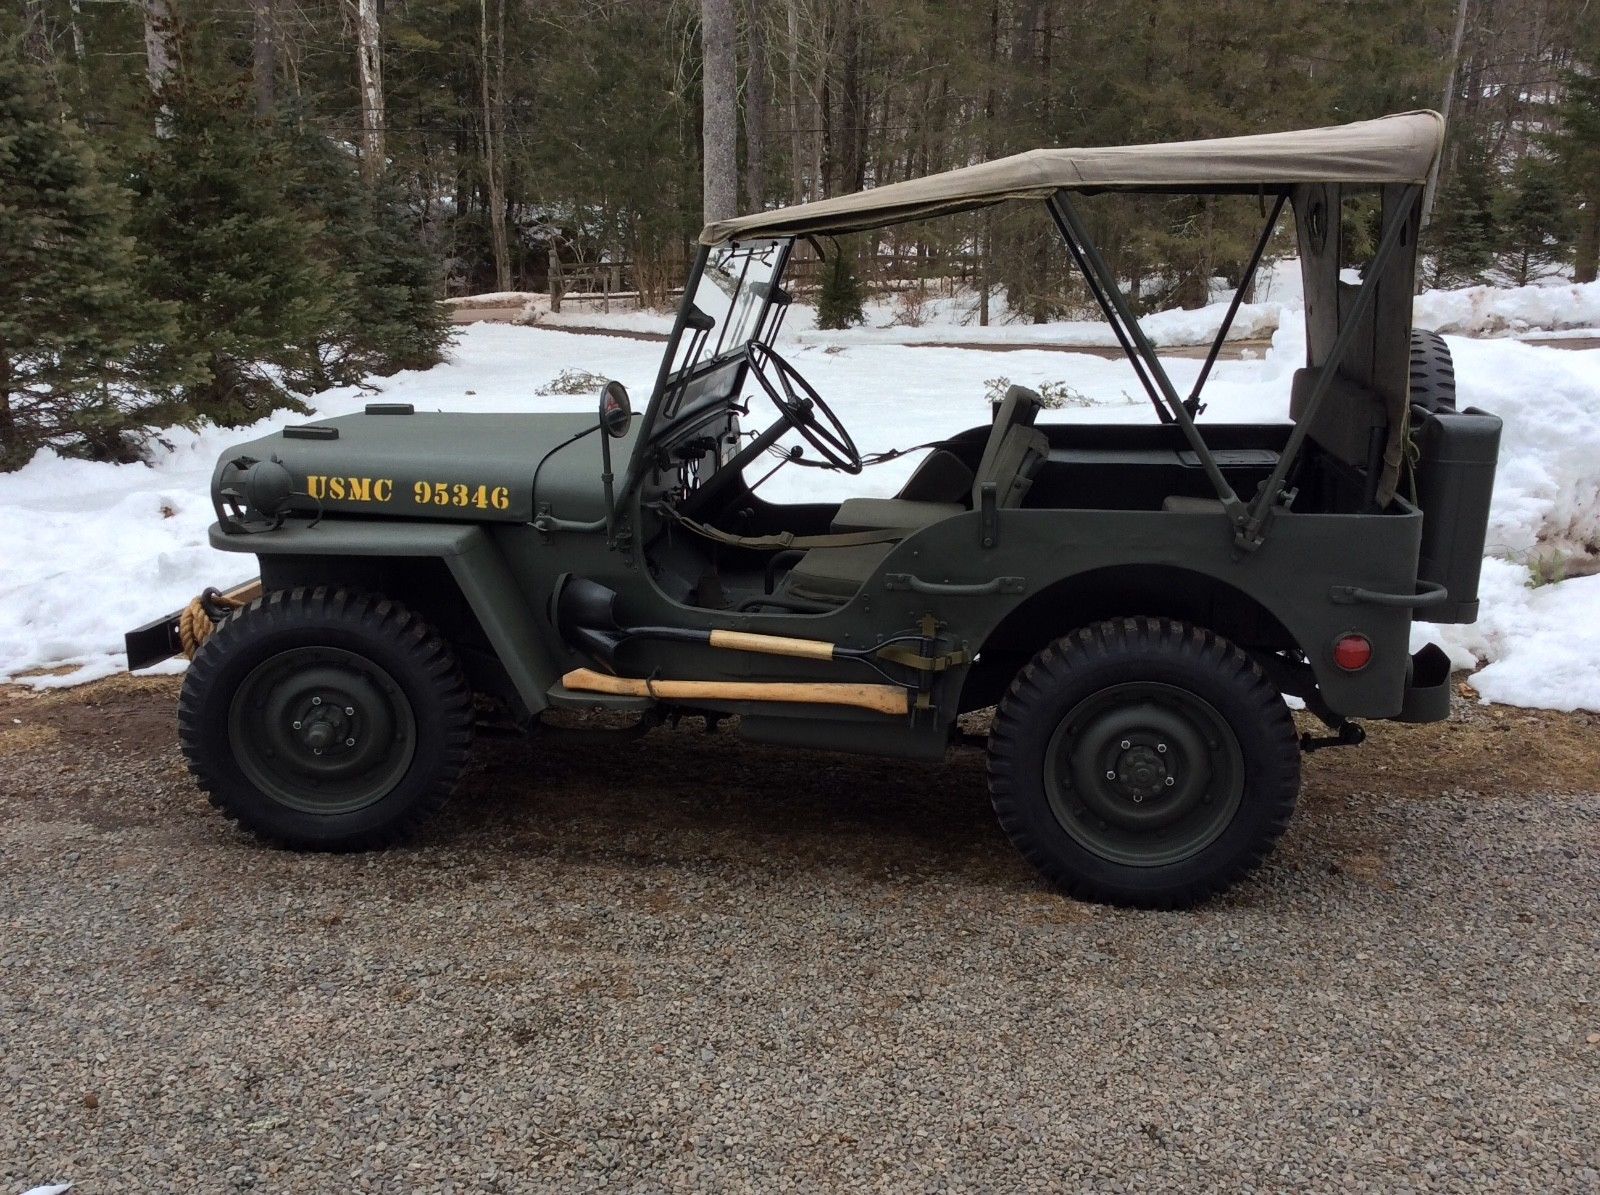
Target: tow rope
(200,619)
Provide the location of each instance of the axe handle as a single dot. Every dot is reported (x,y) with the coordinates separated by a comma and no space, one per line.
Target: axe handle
(883,699)
(772,645)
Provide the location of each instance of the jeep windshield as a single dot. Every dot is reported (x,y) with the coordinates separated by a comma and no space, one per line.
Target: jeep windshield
(729,304)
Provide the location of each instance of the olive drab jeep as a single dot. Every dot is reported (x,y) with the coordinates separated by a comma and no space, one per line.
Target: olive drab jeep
(1136,600)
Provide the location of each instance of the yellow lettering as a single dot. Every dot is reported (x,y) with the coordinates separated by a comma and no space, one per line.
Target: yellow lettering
(316,485)
(360,489)
(382,490)
(336,487)
(501,498)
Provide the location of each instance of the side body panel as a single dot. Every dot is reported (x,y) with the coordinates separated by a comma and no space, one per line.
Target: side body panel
(508,572)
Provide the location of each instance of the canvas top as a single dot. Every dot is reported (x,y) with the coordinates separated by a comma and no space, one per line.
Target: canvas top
(1391,149)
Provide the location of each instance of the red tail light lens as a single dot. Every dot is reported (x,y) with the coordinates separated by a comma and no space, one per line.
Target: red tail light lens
(1352,652)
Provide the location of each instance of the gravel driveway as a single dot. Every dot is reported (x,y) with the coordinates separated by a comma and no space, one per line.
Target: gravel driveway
(689,962)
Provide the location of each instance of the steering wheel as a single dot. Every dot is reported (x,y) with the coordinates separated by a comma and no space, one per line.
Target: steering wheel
(802,407)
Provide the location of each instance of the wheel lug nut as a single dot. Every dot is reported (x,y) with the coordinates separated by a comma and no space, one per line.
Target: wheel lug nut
(1111,775)
(316,701)
(316,750)
(1161,747)
(352,743)
(1137,798)
(350,712)
(298,725)
(1126,744)
(1171,781)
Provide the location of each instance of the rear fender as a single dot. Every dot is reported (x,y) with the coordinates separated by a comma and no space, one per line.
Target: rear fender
(474,562)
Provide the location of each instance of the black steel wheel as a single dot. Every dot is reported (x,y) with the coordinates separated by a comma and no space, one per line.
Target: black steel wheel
(322,719)
(1143,762)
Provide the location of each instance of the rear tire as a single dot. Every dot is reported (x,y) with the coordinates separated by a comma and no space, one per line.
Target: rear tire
(1433,371)
(321,719)
(1143,762)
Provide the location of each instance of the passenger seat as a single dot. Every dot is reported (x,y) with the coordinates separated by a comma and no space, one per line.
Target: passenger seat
(1011,446)
(1011,459)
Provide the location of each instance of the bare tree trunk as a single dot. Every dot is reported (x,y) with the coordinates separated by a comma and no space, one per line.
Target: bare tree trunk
(10,441)
(755,112)
(851,107)
(369,67)
(496,202)
(720,95)
(986,245)
(1586,258)
(797,141)
(36,37)
(75,7)
(264,55)
(157,52)
(1430,191)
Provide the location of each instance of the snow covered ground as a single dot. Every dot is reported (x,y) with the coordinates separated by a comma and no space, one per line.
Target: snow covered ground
(1551,307)
(88,550)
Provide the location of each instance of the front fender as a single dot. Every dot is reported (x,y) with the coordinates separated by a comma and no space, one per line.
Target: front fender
(475,563)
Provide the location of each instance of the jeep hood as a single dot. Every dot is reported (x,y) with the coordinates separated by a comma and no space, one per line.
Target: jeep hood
(392,462)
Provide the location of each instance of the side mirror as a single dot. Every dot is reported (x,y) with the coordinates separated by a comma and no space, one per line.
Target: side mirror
(616,410)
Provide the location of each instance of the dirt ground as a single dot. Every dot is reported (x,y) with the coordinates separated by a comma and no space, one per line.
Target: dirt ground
(692,962)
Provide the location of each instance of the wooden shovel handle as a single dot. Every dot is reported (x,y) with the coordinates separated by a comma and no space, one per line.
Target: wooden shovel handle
(772,645)
(883,699)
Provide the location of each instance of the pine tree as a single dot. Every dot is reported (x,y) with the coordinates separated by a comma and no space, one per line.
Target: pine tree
(1462,238)
(227,245)
(1536,230)
(1576,146)
(839,303)
(403,323)
(384,295)
(83,357)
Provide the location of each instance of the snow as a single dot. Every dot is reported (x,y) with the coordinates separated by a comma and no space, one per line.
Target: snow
(1510,311)
(89,550)
(1551,307)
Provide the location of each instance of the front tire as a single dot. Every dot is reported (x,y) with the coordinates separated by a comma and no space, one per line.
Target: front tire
(321,719)
(1143,762)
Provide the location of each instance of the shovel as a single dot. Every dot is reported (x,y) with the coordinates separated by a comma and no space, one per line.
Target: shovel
(585,614)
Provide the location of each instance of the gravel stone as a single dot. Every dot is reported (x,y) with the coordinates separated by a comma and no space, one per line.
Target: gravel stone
(688,962)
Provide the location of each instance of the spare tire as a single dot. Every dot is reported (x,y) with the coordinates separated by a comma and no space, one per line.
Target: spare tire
(1433,373)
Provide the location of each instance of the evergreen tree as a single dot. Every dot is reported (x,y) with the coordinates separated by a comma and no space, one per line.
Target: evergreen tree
(839,303)
(83,361)
(228,247)
(1576,145)
(384,312)
(1464,233)
(1536,230)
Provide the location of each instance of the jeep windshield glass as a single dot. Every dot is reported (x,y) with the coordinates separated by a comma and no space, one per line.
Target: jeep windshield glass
(732,292)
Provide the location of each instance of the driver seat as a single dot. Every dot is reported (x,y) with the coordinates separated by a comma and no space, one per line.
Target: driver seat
(1005,455)
(1011,458)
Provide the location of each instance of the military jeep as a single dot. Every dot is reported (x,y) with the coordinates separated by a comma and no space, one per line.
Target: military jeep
(1136,600)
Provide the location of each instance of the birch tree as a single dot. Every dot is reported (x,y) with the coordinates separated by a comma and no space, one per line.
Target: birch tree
(369,69)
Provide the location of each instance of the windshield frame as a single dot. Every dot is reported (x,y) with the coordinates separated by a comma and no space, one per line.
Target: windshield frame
(670,383)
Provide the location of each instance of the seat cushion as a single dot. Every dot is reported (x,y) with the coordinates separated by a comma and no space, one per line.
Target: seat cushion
(879,514)
(1177,504)
(1012,466)
(834,574)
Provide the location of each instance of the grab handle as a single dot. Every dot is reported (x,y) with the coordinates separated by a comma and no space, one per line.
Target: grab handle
(955,589)
(1429,593)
